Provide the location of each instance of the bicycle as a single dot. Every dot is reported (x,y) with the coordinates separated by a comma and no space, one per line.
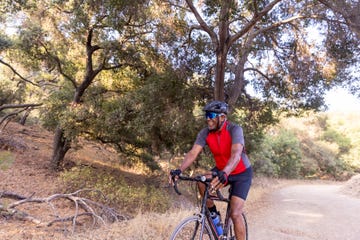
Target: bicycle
(200,225)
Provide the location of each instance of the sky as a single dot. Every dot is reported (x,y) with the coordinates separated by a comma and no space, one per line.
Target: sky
(340,100)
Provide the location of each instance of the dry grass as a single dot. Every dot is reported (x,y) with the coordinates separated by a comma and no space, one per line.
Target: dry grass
(144,226)
(149,226)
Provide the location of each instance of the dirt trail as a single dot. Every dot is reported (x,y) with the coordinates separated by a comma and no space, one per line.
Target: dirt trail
(307,211)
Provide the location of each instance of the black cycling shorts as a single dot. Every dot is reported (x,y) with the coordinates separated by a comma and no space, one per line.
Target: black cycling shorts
(240,183)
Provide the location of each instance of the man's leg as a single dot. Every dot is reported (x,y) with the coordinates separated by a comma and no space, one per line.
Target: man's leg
(237,205)
(209,202)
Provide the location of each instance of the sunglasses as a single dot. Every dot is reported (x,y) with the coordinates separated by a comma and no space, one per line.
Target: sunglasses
(211,115)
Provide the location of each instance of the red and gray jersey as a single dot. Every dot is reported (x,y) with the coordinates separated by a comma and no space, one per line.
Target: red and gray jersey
(220,143)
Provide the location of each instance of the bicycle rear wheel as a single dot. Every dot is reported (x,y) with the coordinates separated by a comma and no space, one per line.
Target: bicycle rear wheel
(190,229)
(231,231)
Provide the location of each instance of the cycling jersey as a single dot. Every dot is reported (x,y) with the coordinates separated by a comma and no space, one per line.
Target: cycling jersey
(220,143)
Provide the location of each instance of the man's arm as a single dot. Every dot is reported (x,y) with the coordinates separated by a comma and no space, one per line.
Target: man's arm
(236,150)
(191,156)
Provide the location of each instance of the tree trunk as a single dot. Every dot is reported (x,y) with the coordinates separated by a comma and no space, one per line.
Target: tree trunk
(60,146)
(61,143)
(25,116)
(219,77)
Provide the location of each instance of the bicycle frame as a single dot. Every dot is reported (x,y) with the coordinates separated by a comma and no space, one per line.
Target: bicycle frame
(204,213)
(226,226)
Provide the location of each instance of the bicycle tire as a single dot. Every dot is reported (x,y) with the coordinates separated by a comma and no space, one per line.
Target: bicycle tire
(190,228)
(231,231)
(246,226)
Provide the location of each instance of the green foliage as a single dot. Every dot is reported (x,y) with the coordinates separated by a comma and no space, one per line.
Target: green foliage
(313,140)
(254,121)
(125,194)
(325,156)
(151,77)
(142,117)
(280,156)
(332,136)
(56,108)
(5,42)
(348,126)
(6,95)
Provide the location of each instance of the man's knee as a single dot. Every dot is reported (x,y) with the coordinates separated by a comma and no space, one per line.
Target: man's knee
(236,214)
(237,205)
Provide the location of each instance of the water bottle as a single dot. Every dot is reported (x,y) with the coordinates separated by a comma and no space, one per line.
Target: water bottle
(217,223)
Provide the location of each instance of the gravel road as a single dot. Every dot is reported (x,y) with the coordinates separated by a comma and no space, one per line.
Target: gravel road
(307,211)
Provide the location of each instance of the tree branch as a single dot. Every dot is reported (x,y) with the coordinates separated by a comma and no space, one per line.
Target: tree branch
(59,66)
(84,207)
(18,74)
(253,22)
(203,24)
(6,106)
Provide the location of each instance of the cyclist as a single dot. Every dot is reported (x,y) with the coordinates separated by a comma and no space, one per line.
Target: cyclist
(226,142)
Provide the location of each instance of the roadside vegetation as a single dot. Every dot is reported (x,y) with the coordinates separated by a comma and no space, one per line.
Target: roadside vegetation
(317,146)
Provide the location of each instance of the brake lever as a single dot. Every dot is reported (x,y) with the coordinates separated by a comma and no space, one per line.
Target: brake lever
(175,185)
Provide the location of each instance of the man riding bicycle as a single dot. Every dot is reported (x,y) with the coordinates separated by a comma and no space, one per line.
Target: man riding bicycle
(226,142)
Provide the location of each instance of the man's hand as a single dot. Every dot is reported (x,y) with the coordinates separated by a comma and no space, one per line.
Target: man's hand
(174,175)
(219,181)
(223,177)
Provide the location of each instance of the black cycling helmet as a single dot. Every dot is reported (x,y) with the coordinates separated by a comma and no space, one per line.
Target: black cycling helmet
(217,107)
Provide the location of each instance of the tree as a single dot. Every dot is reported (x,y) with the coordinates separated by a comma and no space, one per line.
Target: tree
(267,44)
(72,43)
(99,62)
(12,97)
(349,10)
(85,50)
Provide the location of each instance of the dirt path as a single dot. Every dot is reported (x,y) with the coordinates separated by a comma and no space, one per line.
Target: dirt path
(307,211)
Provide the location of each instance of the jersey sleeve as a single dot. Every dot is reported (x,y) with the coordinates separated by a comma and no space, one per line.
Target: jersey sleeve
(237,134)
(201,137)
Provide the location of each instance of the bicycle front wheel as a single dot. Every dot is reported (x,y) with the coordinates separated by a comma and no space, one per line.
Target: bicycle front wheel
(192,229)
(231,232)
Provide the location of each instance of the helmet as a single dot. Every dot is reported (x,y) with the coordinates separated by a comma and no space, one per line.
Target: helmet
(217,107)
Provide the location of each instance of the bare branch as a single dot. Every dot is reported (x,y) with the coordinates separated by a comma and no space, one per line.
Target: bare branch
(59,66)
(252,22)
(5,106)
(84,207)
(203,24)
(18,74)
(258,71)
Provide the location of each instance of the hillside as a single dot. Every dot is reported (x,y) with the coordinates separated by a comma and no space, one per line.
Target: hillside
(329,143)
(25,153)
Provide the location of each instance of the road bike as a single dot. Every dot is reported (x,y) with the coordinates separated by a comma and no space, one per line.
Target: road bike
(200,226)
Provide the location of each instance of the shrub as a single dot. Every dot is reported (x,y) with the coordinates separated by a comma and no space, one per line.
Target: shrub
(341,140)
(125,194)
(279,156)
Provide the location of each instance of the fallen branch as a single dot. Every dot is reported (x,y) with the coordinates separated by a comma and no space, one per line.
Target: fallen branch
(23,108)
(83,208)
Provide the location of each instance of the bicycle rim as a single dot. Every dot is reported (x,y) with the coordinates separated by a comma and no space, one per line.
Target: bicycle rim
(246,226)
(190,229)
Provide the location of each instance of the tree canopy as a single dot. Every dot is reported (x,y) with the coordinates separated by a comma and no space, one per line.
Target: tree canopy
(134,74)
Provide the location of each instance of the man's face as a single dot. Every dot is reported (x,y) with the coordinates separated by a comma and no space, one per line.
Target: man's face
(212,123)
(212,120)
